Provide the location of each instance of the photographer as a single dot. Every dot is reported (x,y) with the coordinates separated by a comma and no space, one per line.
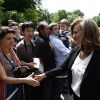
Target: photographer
(8,60)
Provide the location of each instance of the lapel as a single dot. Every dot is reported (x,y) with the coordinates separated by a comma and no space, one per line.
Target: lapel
(73,55)
(75,52)
(90,65)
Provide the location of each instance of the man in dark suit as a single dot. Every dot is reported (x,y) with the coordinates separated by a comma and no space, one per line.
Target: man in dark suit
(45,53)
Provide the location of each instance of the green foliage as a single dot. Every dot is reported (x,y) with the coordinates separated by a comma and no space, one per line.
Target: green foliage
(37,15)
(45,15)
(18,17)
(79,13)
(21,10)
(62,14)
(1,17)
(1,1)
(32,15)
(97,20)
(31,10)
(72,17)
(54,17)
(20,5)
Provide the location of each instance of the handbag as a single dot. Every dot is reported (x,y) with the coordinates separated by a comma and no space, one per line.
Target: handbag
(19,73)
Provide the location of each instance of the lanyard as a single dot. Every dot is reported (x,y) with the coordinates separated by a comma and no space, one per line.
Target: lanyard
(12,64)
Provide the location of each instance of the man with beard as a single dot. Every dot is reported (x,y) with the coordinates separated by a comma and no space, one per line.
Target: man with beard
(45,52)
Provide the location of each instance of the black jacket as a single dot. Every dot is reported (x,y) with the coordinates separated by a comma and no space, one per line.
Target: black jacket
(90,85)
(45,52)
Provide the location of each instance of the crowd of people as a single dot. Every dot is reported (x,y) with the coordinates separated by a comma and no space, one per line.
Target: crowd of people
(35,62)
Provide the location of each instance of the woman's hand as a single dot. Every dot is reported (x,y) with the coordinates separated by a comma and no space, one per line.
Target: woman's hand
(40,77)
(31,81)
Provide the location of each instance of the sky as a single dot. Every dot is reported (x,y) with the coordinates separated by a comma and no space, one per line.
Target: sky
(90,8)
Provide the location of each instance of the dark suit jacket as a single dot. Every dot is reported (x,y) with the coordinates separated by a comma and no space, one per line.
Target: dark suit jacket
(45,52)
(90,85)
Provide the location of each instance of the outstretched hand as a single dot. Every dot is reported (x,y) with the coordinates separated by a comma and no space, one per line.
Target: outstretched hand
(31,81)
(40,77)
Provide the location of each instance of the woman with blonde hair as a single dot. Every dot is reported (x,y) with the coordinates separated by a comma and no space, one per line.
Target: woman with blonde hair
(83,63)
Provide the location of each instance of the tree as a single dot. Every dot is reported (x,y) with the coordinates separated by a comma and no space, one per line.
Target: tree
(54,17)
(32,15)
(37,15)
(97,20)
(14,15)
(62,14)
(45,15)
(20,5)
(1,17)
(57,16)
(72,17)
(79,13)
(1,1)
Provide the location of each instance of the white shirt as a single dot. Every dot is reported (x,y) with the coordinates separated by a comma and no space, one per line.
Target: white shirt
(78,70)
(61,52)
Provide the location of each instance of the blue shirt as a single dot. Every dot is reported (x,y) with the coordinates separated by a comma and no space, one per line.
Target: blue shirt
(61,52)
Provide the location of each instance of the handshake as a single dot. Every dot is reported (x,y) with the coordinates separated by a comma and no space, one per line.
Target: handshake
(34,80)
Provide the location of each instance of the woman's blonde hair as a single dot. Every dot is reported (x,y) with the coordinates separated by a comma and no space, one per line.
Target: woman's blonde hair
(90,38)
(75,22)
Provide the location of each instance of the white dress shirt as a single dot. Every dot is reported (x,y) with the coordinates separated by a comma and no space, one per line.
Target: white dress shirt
(61,52)
(78,70)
